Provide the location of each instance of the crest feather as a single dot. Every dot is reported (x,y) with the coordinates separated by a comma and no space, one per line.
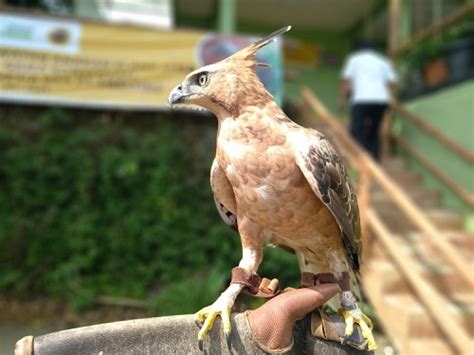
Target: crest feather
(249,51)
(270,38)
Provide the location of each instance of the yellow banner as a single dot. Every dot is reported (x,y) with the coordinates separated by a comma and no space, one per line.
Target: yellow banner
(302,53)
(52,60)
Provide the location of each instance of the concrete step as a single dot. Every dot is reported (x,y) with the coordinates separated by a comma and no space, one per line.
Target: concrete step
(446,219)
(418,246)
(386,278)
(407,179)
(411,190)
(396,221)
(430,264)
(448,284)
(463,298)
(394,324)
(462,242)
(376,274)
(426,198)
(420,322)
(393,164)
(434,346)
(403,315)
(396,313)
(443,219)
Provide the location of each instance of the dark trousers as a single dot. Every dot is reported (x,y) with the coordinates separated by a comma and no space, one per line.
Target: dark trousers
(365,122)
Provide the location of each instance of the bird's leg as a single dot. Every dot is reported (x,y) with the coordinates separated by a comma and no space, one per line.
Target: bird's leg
(252,252)
(352,313)
(350,310)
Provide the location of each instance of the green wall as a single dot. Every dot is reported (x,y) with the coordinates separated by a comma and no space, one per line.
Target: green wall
(451,110)
(323,81)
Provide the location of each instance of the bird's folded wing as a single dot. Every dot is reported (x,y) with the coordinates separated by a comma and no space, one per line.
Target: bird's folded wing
(223,196)
(324,170)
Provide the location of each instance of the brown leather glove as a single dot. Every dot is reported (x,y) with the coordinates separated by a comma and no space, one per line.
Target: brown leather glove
(272,323)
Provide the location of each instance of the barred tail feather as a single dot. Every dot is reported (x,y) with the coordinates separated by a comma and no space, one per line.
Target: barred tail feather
(356,284)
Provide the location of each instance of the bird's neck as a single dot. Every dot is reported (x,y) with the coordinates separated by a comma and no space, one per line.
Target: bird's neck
(255,124)
(241,101)
(248,113)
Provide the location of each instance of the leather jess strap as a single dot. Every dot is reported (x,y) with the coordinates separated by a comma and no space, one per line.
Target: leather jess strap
(262,287)
(309,279)
(254,284)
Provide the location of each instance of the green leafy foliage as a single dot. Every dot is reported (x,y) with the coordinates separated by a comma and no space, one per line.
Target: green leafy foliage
(192,292)
(95,203)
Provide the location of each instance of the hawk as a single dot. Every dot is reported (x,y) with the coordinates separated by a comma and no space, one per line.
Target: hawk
(276,182)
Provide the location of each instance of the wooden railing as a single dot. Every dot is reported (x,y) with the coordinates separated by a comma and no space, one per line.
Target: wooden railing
(371,172)
(430,31)
(457,149)
(461,192)
(423,124)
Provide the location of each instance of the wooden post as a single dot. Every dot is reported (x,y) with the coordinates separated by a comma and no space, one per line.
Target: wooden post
(364,205)
(385,135)
(405,21)
(393,27)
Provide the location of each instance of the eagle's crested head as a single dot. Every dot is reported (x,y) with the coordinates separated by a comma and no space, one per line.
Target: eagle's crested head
(228,86)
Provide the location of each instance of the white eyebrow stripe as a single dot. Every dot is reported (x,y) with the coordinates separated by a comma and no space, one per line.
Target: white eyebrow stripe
(209,68)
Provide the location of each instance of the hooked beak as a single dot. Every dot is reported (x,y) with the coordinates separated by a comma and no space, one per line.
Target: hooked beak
(177,95)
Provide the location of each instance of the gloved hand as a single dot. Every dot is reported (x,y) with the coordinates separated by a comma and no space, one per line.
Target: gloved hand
(272,323)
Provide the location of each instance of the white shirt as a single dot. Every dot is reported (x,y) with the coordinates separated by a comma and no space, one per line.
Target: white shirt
(369,74)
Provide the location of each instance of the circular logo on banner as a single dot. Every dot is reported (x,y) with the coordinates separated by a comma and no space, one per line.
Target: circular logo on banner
(59,36)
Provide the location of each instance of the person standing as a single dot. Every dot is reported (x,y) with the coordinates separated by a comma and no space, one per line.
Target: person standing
(370,80)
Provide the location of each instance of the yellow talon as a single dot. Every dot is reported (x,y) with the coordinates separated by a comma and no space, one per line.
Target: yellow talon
(349,320)
(201,315)
(365,324)
(207,317)
(226,320)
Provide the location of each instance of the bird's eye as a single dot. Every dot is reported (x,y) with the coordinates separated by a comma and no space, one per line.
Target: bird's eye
(202,80)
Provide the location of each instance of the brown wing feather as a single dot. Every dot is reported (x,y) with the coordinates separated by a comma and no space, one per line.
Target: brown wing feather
(325,172)
(223,196)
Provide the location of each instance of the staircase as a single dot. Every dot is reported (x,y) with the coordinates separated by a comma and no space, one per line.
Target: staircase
(401,313)
(417,264)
